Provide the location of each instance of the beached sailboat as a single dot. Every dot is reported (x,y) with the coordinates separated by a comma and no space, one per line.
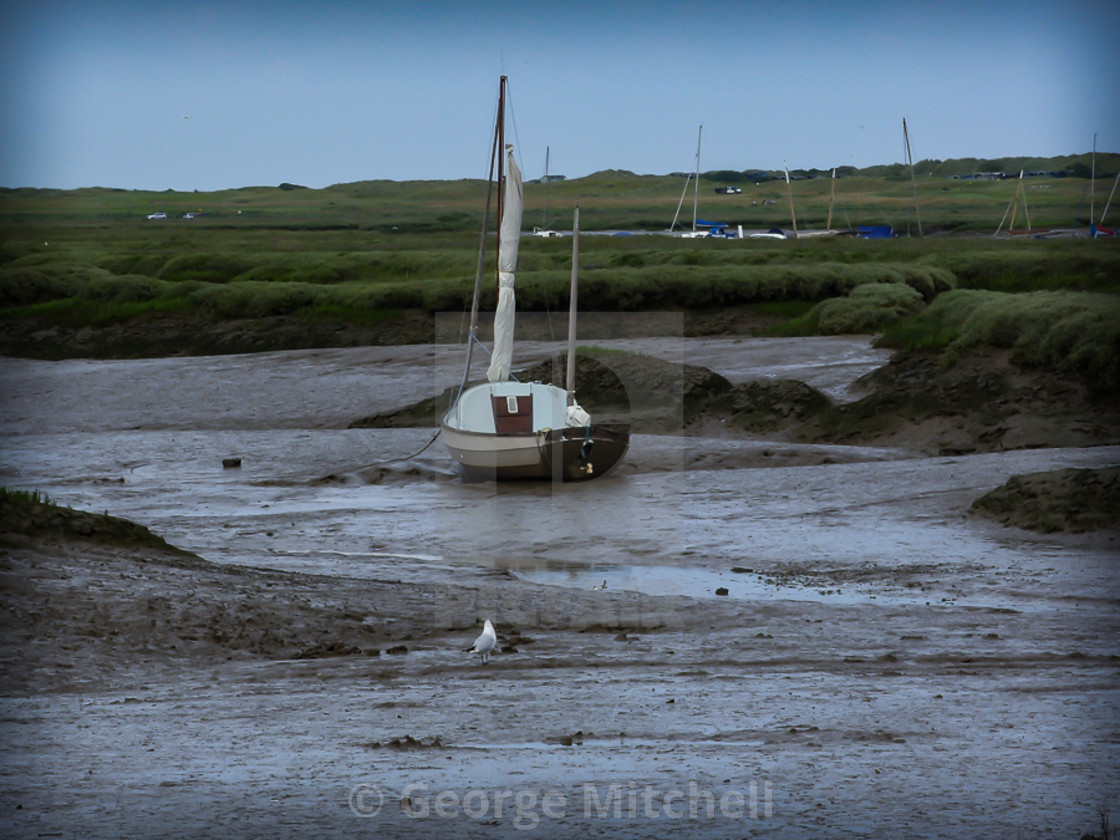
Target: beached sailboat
(505,429)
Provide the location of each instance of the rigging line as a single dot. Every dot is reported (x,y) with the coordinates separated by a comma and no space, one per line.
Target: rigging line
(478,341)
(421,450)
(512,114)
(680,203)
(1108,203)
(495,163)
(492,143)
(463,324)
(403,457)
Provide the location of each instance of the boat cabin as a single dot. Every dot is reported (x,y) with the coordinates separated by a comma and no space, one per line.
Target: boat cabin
(509,408)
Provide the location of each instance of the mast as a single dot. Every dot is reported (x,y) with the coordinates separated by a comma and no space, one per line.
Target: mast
(544,192)
(831,200)
(696,192)
(789,192)
(501,158)
(1005,212)
(1015,207)
(1092,190)
(570,382)
(913,178)
(509,237)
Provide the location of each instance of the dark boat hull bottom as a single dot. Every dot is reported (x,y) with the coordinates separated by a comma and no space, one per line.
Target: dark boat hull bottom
(578,454)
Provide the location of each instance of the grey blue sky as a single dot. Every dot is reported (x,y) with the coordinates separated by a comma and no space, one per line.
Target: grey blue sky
(210,94)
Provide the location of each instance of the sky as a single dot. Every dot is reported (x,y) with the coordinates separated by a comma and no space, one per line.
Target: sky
(208,95)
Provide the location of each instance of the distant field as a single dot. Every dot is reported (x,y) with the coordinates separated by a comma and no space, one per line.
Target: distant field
(609,200)
(361,254)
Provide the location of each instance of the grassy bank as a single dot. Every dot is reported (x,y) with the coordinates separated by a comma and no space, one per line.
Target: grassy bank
(100,277)
(1074,332)
(32,513)
(357,257)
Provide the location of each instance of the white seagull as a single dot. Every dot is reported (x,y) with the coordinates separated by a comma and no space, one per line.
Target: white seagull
(485,643)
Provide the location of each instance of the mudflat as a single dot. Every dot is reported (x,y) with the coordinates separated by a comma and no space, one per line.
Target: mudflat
(774,632)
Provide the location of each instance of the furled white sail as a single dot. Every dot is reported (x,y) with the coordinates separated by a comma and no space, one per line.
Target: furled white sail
(507,264)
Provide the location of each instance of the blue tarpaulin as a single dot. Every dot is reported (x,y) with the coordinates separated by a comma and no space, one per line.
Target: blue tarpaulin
(875,232)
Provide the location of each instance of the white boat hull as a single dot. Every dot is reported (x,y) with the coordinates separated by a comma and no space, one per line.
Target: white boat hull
(514,430)
(477,451)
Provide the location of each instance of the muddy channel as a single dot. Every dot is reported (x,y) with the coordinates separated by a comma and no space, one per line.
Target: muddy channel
(727,636)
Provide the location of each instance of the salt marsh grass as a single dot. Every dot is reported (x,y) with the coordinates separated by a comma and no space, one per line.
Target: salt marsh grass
(1076,332)
(360,254)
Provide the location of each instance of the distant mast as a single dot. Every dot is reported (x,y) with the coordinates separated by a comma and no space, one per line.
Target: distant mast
(684,192)
(789,192)
(913,178)
(831,200)
(544,204)
(696,194)
(1092,190)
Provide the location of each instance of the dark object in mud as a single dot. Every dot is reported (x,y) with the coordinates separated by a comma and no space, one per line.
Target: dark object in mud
(722,591)
(231,463)
(1075,500)
(575,738)
(407,742)
(328,649)
(514,637)
(398,650)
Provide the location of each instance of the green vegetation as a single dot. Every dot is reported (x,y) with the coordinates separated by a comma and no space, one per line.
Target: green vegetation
(9,496)
(1077,332)
(66,294)
(362,255)
(865,309)
(103,276)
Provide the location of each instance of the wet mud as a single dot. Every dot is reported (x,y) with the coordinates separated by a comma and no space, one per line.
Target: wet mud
(800,638)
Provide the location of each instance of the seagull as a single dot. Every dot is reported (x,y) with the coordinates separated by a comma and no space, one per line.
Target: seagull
(485,643)
(599,588)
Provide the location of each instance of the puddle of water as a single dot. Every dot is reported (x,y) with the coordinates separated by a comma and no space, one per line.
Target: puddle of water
(709,583)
